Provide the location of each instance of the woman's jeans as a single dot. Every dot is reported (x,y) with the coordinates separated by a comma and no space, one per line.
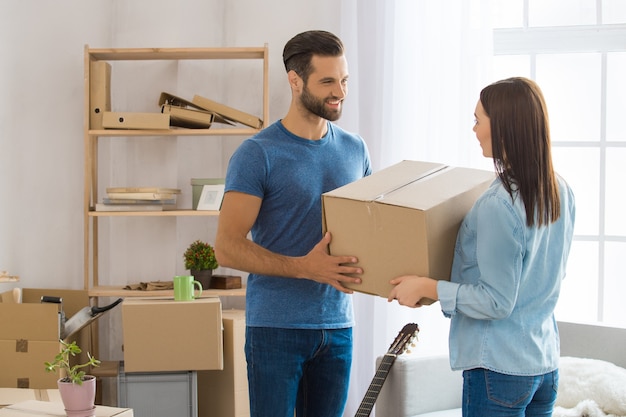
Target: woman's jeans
(306,370)
(488,393)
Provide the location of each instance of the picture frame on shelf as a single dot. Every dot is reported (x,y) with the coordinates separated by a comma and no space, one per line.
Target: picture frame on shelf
(211,197)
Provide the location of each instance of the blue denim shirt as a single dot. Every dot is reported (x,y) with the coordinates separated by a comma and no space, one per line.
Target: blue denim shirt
(505,283)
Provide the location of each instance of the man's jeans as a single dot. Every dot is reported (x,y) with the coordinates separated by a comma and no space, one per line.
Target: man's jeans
(488,393)
(301,369)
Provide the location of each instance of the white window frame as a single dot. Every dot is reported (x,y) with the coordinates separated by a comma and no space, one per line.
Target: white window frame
(599,38)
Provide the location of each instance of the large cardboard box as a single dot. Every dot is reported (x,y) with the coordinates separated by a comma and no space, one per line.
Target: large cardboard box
(402,220)
(161,334)
(29,336)
(225,393)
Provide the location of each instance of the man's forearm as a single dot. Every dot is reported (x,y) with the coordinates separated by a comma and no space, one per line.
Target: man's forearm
(245,255)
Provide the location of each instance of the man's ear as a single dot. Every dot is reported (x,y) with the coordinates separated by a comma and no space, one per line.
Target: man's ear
(294,80)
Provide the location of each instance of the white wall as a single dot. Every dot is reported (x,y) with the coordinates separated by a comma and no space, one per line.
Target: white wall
(41,124)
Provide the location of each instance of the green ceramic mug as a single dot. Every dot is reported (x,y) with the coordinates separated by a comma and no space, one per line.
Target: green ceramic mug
(185,288)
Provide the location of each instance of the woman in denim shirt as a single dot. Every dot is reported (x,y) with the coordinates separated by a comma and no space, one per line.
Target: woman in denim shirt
(509,260)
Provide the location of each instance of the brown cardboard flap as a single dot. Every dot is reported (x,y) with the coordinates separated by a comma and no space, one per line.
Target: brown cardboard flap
(29,322)
(73,300)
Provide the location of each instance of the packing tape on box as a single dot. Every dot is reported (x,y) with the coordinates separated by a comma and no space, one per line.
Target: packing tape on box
(420,178)
(21,346)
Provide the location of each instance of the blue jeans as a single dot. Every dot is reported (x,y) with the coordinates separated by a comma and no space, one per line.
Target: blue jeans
(298,369)
(488,393)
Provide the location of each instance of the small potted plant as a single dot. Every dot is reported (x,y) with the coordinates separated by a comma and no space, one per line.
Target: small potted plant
(200,260)
(77,389)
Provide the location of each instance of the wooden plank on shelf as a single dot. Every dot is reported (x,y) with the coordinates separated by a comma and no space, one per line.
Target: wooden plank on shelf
(119,291)
(167,213)
(240,131)
(138,54)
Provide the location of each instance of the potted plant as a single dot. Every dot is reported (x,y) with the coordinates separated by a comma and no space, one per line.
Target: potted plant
(200,260)
(77,389)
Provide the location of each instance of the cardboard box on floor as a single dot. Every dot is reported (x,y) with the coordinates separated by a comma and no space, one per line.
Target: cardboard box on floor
(402,220)
(165,335)
(55,409)
(29,336)
(10,396)
(225,393)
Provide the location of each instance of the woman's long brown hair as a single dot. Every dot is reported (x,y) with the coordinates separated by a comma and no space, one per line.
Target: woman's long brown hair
(520,138)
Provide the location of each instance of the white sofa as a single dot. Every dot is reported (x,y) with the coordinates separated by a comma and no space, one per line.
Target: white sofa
(420,386)
(426,387)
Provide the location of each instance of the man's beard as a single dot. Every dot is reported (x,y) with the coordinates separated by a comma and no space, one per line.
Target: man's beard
(317,106)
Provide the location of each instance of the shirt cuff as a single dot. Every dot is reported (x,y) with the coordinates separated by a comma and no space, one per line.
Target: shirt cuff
(447,291)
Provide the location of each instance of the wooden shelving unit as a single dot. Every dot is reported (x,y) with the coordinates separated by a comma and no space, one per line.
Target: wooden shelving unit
(91,137)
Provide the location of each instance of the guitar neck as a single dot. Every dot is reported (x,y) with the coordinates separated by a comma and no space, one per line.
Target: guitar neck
(371,395)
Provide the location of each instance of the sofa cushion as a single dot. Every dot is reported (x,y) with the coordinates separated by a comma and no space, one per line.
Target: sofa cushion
(453,412)
(417,385)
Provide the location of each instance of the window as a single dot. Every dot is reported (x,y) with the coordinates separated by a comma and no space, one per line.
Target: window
(576,51)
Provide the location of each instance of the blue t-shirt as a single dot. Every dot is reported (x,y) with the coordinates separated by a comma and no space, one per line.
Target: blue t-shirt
(290,174)
(505,283)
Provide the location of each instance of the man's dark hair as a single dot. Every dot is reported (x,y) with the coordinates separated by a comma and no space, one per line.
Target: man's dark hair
(299,50)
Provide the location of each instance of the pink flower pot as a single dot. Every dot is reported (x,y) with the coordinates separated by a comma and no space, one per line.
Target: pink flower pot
(79,400)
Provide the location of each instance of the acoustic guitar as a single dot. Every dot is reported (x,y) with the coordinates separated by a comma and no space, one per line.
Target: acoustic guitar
(406,336)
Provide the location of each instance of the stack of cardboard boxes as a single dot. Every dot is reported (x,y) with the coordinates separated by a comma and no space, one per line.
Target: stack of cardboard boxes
(29,336)
(188,354)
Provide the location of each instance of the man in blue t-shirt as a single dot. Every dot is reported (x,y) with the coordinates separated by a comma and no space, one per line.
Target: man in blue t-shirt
(299,316)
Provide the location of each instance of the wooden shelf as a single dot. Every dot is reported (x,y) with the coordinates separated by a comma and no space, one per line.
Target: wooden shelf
(174,132)
(138,54)
(117,291)
(164,213)
(9,279)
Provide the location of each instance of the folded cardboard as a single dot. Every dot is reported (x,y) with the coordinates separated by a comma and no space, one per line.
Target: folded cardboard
(10,396)
(229,113)
(225,392)
(170,99)
(99,92)
(55,409)
(189,118)
(401,220)
(161,334)
(29,336)
(130,120)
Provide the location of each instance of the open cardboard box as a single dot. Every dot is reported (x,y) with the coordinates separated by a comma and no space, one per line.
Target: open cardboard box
(162,335)
(29,336)
(55,409)
(224,392)
(402,220)
(10,396)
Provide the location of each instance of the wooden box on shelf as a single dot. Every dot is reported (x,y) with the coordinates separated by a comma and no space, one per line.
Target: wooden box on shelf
(225,282)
